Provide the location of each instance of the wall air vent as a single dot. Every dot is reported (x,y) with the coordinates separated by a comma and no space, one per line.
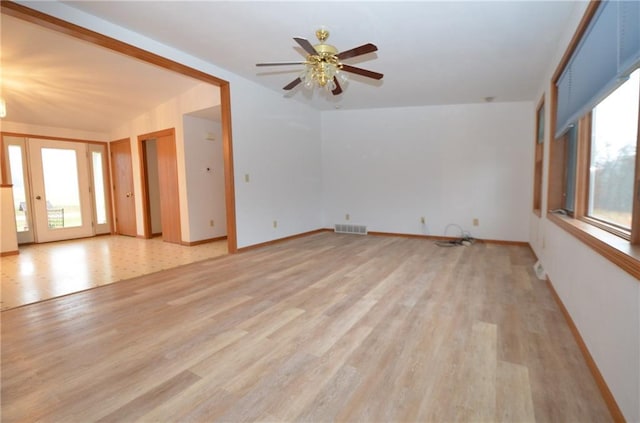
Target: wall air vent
(350,229)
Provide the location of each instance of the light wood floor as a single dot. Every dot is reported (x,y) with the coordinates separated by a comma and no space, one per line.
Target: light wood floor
(43,271)
(322,328)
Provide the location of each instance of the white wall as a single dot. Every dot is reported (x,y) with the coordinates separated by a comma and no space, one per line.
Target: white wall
(205,187)
(277,143)
(603,300)
(450,164)
(8,235)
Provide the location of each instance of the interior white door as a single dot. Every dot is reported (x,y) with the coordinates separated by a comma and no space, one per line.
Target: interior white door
(61,197)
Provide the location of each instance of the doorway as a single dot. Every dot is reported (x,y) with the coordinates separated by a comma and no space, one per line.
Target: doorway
(159,173)
(25,13)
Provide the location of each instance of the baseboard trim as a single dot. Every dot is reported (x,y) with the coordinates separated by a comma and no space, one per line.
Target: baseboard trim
(447,238)
(203,241)
(391,234)
(612,405)
(10,253)
(279,240)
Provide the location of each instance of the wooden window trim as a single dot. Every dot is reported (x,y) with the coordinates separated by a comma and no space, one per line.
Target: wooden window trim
(618,250)
(538,161)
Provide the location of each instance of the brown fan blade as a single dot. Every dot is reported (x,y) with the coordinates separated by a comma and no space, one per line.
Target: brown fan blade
(338,89)
(306,45)
(358,51)
(363,72)
(292,84)
(280,63)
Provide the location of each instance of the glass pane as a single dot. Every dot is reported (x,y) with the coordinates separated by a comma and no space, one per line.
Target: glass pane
(60,170)
(570,166)
(613,154)
(540,135)
(19,190)
(98,187)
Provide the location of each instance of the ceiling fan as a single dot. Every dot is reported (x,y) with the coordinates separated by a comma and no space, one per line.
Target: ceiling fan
(323,64)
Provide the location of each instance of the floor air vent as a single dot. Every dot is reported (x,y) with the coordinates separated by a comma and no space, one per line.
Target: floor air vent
(351,229)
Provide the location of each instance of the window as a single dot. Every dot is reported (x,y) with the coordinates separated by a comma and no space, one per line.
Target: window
(539,156)
(614,131)
(569,185)
(16,162)
(594,171)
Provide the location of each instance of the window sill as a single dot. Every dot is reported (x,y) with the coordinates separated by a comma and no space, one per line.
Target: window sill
(615,249)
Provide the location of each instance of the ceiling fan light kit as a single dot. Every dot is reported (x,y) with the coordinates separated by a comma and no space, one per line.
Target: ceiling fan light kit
(323,66)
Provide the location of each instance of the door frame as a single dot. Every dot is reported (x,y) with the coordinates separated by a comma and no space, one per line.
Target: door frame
(144,178)
(25,13)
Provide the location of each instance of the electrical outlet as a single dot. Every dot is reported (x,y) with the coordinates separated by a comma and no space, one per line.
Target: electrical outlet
(347,216)
(211,223)
(423,220)
(275,224)
(476,222)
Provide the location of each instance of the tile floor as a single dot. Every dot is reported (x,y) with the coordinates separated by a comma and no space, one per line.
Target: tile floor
(43,271)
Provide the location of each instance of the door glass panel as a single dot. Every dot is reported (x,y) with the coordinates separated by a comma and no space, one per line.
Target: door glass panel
(99,189)
(19,190)
(60,170)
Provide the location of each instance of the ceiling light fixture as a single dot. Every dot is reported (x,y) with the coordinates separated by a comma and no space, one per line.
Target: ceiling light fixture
(3,108)
(322,67)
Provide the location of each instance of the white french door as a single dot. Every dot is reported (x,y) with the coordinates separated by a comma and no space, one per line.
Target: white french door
(60,190)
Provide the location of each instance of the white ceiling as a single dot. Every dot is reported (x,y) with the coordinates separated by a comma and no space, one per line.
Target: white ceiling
(430,52)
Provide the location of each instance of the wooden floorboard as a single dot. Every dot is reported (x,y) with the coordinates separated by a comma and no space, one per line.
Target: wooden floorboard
(322,328)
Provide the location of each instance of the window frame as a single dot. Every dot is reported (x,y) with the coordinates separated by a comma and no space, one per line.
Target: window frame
(539,157)
(619,246)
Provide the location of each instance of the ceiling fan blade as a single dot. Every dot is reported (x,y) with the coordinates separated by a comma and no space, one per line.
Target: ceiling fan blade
(363,72)
(306,45)
(338,89)
(358,51)
(292,84)
(280,63)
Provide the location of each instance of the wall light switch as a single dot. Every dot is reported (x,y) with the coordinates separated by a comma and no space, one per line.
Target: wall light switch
(246,177)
